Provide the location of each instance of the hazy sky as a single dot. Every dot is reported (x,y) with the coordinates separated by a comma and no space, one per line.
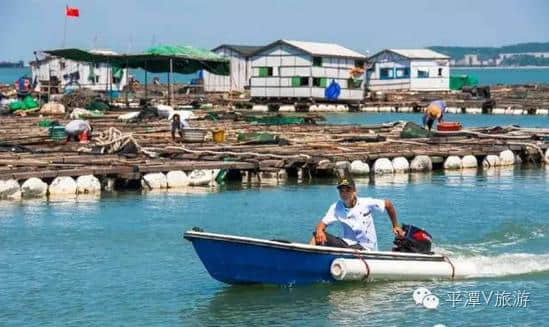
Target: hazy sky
(126,25)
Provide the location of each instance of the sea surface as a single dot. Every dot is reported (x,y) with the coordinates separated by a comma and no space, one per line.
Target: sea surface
(486,76)
(467,120)
(509,76)
(122,260)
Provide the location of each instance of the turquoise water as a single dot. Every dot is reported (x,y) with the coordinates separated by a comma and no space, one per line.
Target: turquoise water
(487,76)
(10,75)
(123,261)
(363,118)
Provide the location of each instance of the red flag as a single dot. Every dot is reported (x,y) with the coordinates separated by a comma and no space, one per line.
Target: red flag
(72,12)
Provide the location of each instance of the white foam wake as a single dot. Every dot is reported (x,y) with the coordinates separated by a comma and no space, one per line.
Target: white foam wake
(501,265)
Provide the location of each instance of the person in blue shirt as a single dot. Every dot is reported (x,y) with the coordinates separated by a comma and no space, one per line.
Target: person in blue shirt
(435,110)
(355,216)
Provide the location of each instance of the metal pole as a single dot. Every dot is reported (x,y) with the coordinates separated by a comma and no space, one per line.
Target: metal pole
(110,87)
(145,80)
(127,85)
(65,27)
(169,84)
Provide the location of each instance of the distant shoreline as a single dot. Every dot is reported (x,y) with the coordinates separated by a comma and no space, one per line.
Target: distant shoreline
(498,67)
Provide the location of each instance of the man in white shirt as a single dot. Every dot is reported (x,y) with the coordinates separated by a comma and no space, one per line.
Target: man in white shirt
(355,216)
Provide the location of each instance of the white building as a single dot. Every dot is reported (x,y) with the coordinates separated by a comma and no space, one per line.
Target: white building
(241,69)
(408,69)
(73,74)
(296,69)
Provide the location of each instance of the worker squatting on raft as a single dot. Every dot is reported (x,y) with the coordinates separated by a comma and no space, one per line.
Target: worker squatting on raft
(435,110)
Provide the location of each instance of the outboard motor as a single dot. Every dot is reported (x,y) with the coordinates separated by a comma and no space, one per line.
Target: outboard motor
(415,240)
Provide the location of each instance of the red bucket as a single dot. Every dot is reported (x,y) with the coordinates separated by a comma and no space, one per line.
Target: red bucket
(448,126)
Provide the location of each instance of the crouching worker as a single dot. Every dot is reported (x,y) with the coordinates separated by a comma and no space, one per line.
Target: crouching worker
(177,125)
(355,216)
(78,130)
(435,110)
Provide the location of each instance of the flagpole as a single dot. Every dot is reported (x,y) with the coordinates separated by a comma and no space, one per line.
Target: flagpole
(65,27)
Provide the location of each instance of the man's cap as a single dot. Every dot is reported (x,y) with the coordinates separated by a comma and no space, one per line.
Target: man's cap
(345,181)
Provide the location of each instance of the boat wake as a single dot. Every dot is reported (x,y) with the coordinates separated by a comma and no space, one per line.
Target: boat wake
(477,259)
(501,265)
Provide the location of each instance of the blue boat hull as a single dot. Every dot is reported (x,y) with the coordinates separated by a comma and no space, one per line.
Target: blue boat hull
(238,263)
(242,260)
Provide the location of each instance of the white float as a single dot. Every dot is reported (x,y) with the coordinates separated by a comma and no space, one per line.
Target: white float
(202,177)
(313,108)
(286,108)
(452,163)
(342,165)
(34,188)
(358,167)
(474,111)
(282,175)
(453,110)
(368,109)
(498,111)
(383,166)
(385,109)
(519,112)
(400,165)
(88,184)
(405,109)
(469,161)
(64,185)
(129,116)
(154,181)
(324,164)
(542,112)
(490,161)
(342,108)
(260,108)
(421,163)
(400,268)
(164,111)
(177,178)
(10,190)
(507,158)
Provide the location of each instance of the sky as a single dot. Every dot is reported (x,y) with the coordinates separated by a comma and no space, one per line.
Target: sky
(362,25)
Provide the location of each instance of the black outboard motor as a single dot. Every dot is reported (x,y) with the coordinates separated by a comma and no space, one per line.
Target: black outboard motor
(415,240)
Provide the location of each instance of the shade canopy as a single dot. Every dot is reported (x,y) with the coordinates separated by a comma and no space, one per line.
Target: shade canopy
(185,59)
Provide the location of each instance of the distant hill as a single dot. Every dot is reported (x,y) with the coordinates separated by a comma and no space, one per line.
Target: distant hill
(484,53)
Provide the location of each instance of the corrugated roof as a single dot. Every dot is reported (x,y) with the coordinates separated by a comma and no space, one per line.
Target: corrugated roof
(324,49)
(245,50)
(419,53)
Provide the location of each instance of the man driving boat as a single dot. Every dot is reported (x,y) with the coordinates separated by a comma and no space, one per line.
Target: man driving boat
(355,216)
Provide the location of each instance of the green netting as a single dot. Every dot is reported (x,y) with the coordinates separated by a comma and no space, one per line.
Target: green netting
(457,82)
(412,131)
(185,59)
(97,105)
(277,120)
(47,123)
(257,138)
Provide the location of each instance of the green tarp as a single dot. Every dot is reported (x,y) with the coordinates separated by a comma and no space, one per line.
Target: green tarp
(185,59)
(27,104)
(457,82)
(413,131)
